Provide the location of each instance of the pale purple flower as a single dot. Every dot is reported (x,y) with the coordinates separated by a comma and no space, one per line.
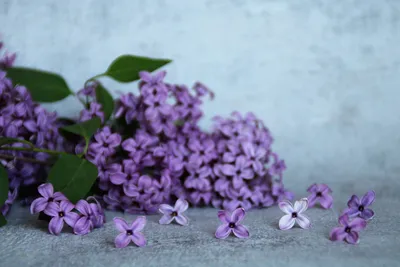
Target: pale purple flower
(357,207)
(202,90)
(320,193)
(348,231)
(294,214)
(48,197)
(241,170)
(98,218)
(60,213)
(202,149)
(174,213)
(130,233)
(232,224)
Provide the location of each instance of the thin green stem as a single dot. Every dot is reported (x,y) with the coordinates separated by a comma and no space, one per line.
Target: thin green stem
(34,149)
(25,159)
(93,78)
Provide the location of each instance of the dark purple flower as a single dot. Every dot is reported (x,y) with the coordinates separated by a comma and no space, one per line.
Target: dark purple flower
(241,170)
(232,224)
(48,197)
(174,213)
(95,110)
(130,233)
(320,193)
(348,231)
(61,212)
(357,207)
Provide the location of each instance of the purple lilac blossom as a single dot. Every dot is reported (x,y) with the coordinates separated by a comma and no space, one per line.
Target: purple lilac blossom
(60,213)
(174,213)
(358,207)
(12,195)
(22,118)
(130,233)
(294,214)
(349,229)
(231,223)
(165,155)
(48,196)
(320,193)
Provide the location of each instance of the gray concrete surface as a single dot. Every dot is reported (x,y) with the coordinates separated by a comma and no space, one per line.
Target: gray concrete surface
(322,74)
(25,241)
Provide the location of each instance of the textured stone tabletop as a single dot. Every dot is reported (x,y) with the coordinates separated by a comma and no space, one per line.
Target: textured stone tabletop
(26,242)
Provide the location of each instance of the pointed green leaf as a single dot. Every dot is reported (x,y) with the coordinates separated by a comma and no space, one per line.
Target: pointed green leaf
(3,185)
(44,86)
(85,129)
(126,68)
(8,141)
(3,220)
(105,99)
(73,176)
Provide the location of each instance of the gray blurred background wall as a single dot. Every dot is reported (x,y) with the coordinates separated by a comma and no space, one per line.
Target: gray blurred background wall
(322,74)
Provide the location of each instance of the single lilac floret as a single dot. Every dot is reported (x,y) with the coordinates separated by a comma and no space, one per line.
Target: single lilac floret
(130,233)
(294,214)
(232,224)
(174,213)
(357,207)
(320,193)
(60,213)
(48,196)
(348,231)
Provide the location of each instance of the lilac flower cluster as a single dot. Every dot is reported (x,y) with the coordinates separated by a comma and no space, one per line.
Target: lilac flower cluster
(22,118)
(160,154)
(82,217)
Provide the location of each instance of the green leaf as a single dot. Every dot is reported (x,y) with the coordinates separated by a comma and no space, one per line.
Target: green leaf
(126,68)
(73,176)
(85,129)
(3,185)
(44,86)
(3,220)
(7,141)
(106,100)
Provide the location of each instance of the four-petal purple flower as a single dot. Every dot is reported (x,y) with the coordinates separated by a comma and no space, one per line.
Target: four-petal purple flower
(232,224)
(320,193)
(60,213)
(48,197)
(348,231)
(174,213)
(130,233)
(357,207)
